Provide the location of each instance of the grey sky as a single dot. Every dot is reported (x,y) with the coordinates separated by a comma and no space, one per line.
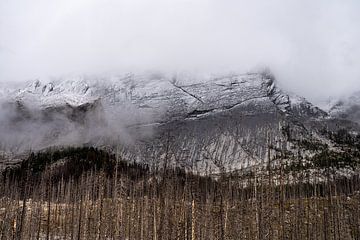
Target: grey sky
(313,46)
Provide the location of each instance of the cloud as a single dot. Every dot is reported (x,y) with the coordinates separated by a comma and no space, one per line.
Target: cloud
(27,126)
(313,47)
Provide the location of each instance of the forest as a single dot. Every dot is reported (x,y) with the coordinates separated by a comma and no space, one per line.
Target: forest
(90,193)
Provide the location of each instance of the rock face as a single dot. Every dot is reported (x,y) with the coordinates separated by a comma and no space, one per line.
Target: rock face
(219,122)
(166,98)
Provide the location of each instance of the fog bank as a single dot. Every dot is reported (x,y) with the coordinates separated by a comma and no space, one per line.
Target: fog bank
(313,47)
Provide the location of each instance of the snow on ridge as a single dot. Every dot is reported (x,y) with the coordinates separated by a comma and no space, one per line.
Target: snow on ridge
(158,93)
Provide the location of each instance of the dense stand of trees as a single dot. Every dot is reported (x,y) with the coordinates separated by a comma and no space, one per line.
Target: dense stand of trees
(86,193)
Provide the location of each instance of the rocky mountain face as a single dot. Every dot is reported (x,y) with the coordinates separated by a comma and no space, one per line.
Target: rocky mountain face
(161,99)
(218,123)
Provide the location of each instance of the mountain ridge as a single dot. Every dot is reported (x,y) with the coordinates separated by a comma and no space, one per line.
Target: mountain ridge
(219,123)
(217,93)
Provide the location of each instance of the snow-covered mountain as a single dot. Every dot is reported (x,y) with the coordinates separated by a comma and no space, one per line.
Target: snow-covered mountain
(165,98)
(207,123)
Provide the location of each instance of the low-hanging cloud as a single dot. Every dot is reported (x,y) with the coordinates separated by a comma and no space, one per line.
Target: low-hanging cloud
(309,45)
(27,126)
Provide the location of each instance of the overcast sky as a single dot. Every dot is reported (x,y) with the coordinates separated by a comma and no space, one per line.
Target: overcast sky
(312,46)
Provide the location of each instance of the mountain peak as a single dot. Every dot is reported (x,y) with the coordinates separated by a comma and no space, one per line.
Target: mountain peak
(172,97)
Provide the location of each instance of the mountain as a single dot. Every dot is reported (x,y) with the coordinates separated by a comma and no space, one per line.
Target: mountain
(347,108)
(206,124)
(162,99)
